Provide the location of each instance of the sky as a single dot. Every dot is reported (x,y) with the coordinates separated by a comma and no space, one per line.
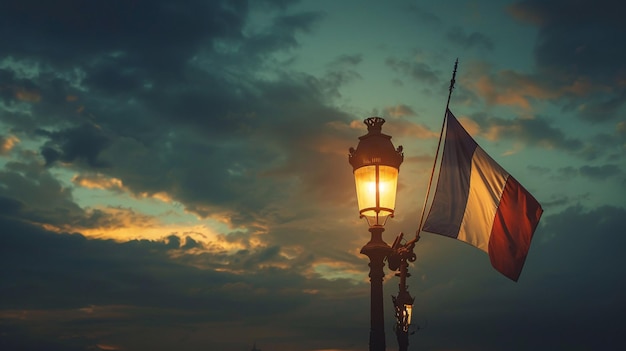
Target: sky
(174,174)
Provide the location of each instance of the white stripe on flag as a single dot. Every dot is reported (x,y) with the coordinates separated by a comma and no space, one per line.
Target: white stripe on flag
(487,181)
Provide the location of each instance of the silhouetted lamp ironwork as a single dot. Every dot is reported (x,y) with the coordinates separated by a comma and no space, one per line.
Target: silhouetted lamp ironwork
(376,164)
(404,307)
(403,303)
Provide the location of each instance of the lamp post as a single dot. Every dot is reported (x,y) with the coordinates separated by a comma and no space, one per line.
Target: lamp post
(376,164)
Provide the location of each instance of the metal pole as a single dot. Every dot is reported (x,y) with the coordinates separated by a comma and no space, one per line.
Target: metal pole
(376,249)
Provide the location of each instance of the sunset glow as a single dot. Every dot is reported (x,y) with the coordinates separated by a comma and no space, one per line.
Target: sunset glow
(181,175)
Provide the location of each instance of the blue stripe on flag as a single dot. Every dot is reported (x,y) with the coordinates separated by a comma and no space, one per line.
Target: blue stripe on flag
(453,185)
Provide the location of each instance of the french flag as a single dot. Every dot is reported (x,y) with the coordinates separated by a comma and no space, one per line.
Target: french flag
(478,202)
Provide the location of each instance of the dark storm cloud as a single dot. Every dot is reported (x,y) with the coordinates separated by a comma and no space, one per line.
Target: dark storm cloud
(575,259)
(228,154)
(88,284)
(474,40)
(71,271)
(82,143)
(595,173)
(577,36)
(537,132)
(172,98)
(72,31)
(14,89)
(576,47)
(30,192)
(75,281)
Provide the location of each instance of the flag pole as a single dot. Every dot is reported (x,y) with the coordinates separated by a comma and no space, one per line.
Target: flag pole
(432,173)
(402,254)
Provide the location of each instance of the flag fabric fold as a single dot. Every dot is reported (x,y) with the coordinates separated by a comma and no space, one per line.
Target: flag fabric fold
(478,202)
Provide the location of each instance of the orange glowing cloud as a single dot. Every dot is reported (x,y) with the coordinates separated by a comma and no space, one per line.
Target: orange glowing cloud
(97,181)
(403,128)
(328,144)
(510,88)
(100,181)
(7,144)
(341,126)
(472,127)
(399,111)
(494,132)
(331,270)
(27,95)
(161,196)
(496,93)
(123,224)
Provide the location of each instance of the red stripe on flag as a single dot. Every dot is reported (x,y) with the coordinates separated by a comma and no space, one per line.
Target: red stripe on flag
(514,224)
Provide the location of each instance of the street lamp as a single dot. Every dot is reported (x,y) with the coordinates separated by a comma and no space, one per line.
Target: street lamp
(399,259)
(376,164)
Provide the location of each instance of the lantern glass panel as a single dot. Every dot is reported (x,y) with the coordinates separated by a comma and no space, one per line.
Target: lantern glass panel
(388,183)
(376,192)
(409,313)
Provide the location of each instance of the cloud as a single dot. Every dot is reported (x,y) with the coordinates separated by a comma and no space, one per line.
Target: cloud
(120,27)
(82,143)
(475,40)
(524,90)
(30,192)
(34,194)
(402,128)
(8,143)
(340,71)
(595,173)
(600,173)
(576,37)
(537,131)
(97,181)
(557,269)
(88,283)
(510,89)
(424,15)
(419,71)
(399,111)
(190,133)
(575,44)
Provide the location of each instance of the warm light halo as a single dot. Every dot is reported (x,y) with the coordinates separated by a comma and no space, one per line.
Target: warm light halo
(376,192)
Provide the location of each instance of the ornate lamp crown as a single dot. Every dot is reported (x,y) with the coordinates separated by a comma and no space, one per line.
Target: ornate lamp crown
(375,147)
